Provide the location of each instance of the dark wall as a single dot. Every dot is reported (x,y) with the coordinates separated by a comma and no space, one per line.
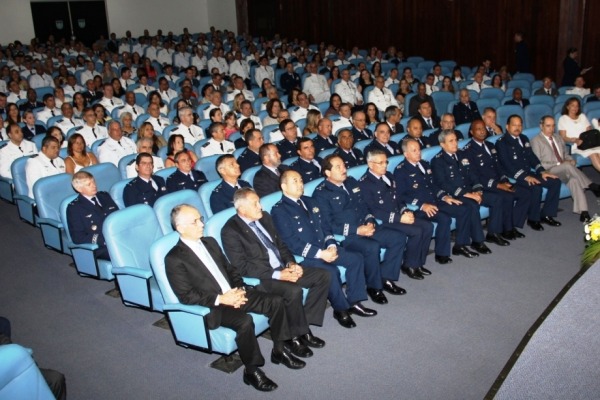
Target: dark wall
(462,30)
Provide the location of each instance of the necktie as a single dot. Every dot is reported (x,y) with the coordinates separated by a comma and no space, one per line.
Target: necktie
(158,121)
(345,190)
(221,144)
(548,91)
(96,202)
(555,149)
(191,177)
(134,110)
(119,143)
(94,132)
(52,112)
(212,267)
(386,180)
(112,103)
(73,123)
(382,92)
(301,204)
(486,149)
(429,123)
(455,158)
(490,131)
(73,88)
(519,141)
(266,241)
(421,168)
(153,184)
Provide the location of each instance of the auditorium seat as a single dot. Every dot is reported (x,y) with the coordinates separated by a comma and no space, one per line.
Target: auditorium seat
(205,191)
(248,175)
(105,174)
(505,111)
(116,192)
(208,167)
(164,205)
(542,99)
(25,204)
(20,377)
(124,162)
(534,113)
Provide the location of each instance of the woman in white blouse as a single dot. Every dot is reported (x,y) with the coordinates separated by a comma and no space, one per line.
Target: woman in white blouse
(571,124)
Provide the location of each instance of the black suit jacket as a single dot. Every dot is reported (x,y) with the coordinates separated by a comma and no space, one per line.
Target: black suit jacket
(30,106)
(463,114)
(266,182)
(193,283)
(435,121)
(245,250)
(514,103)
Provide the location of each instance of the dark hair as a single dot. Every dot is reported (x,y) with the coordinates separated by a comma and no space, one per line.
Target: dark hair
(326,163)
(570,100)
(302,140)
(142,155)
(283,123)
(171,143)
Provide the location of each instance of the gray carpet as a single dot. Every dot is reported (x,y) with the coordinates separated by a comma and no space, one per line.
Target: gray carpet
(448,338)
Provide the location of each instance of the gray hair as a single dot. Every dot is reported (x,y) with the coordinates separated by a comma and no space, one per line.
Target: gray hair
(80,179)
(375,152)
(240,196)
(184,109)
(444,133)
(405,143)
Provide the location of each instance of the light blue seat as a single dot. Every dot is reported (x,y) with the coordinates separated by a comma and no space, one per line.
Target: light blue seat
(83,254)
(248,175)
(266,132)
(215,223)
(505,111)
(20,378)
(37,139)
(358,171)
(96,145)
(48,193)
(393,162)
(166,203)
(289,161)
(124,162)
(105,174)
(326,152)
(197,147)
(165,172)
(534,113)
(362,144)
(205,192)
(542,99)
(116,192)
(7,189)
(524,76)
(588,107)
(187,321)
(25,204)
(269,200)
(491,93)
(483,103)
(208,166)
(441,100)
(428,153)
(129,233)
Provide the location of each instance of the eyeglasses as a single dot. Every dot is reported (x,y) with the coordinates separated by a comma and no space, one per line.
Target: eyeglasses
(194,222)
(386,162)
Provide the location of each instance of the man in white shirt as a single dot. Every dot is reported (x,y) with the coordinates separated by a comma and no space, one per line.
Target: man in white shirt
(579,89)
(344,120)
(116,146)
(49,110)
(89,73)
(109,101)
(71,87)
(152,50)
(45,163)
(67,122)
(165,56)
(158,122)
(143,87)
(15,148)
(217,143)
(125,78)
(15,93)
(166,93)
(393,78)
(181,58)
(91,131)
(131,107)
(199,61)
(315,85)
(430,86)
(216,101)
(40,79)
(264,71)
(381,96)
(240,68)
(348,90)
(144,145)
(247,112)
(191,133)
(238,87)
(299,112)
(478,84)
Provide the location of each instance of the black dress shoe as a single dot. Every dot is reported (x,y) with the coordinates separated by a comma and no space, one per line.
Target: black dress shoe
(443,259)
(377,296)
(463,251)
(362,311)
(392,288)
(550,221)
(535,225)
(509,235)
(518,234)
(496,238)
(481,248)
(259,380)
(344,319)
(286,358)
(298,348)
(312,341)
(595,188)
(424,271)
(412,273)
(584,216)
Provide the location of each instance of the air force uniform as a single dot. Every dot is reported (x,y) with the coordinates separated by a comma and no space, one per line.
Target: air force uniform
(287,149)
(9,152)
(222,197)
(180,181)
(391,148)
(352,158)
(111,151)
(323,143)
(309,170)
(213,147)
(141,191)
(191,134)
(248,159)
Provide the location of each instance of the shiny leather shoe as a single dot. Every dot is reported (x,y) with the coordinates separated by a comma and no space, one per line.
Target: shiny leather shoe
(259,381)
(595,188)
(443,259)
(535,225)
(584,216)
(509,235)
(392,288)
(362,311)
(286,358)
(518,234)
(377,296)
(312,341)
(550,221)
(497,239)
(298,348)
(344,319)
(424,271)
(412,273)
(463,251)
(481,248)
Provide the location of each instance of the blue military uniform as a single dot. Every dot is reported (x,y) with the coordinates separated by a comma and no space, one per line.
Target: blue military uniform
(417,188)
(519,162)
(423,141)
(352,158)
(365,134)
(308,170)
(489,171)
(85,221)
(322,143)
(343,210)
(180,181)
(248,159)
(139,191)
(222,197)
(300,229)
(392,148)
(381,200)
(287,149)
(457,178)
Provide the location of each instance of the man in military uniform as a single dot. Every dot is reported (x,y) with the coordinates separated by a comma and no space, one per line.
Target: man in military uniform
(185,177)
(49,110)
(414,128)
(229,170)
(378,190)
(324,139)
(287,146)
(144,145)
(351,156)
(191,133)
(109,101)
(414,186)
(298,220)
(15,148)
(486,166)
(86,214)
(266,180)
(250,157)
(456,178)
(67,122)
(91,131)
(359,127)
(146,188)
(307,164)
(382,141)
(45,163)
(116,146)
(301,110)
(217,144)
(131,107)
(345,213)
(521,164)
(159,123)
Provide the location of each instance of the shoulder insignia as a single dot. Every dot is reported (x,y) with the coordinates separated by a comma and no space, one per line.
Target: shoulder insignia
(206,144)
(79,128)
(174,129)
(34,156)
(3,145)
(131,162)
(60,120)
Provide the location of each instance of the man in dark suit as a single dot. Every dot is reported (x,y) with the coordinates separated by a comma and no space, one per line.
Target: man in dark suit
(359,127)
(382,141)
(287,146)
(420,97)
(307,164)
(465,110)
(517,99)
(30,128)
(290,79)
(91,94)
(414,128)
(86,214)
(229,170)
(428,120)
(351,156)
(145,188)
(255,249)
(253,139)
(547,88)
(185,177)
(393,115)
(324,140)
(595,93)
(266,180)
(446,122)
(298,220)
(32,101)
(199,273)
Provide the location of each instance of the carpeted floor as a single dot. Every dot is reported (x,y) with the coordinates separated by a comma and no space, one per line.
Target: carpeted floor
(448,338)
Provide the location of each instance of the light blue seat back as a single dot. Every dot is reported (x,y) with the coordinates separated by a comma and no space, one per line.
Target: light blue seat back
(165,172)
(165,204)
(25,204)
(393,162)
(362,144)
(542,99)
(248,175)
(214,224)
(289,161)
(207,165)
(428,153)
(116,192)
(37,140)
(491,93)
(441,100)
(205,192)
(533,114)
(484,102)
(20,377)
(358,171)
(124,162)
(129,233)
(105,174)
(505,111)
(310,187)
(269,200)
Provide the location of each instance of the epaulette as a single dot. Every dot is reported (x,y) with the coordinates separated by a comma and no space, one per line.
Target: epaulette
(174,129)
(400,165)
(131,162)
(34,155)
(59,121)
(362,178)
(102,144)
(438,155)
(206,144)
(79,128)
(3,145)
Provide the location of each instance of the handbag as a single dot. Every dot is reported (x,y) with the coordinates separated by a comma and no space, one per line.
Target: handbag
(589,139)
